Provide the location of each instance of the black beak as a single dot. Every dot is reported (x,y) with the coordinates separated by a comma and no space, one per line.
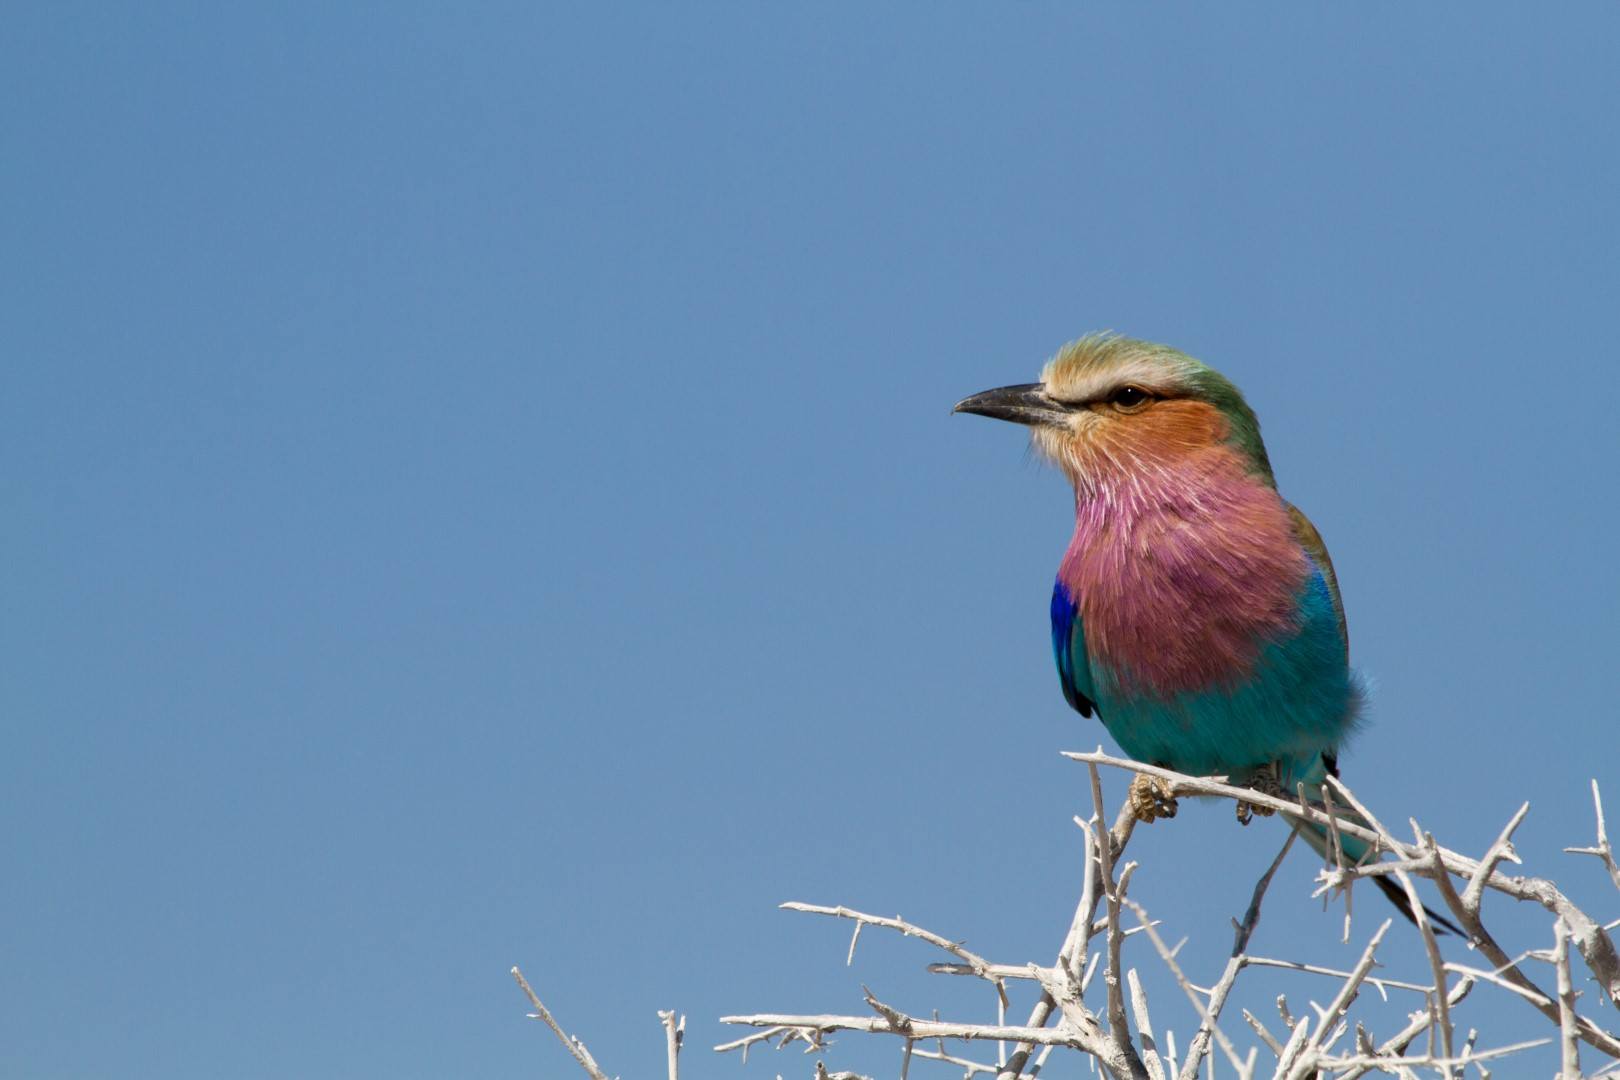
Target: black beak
(1025,403)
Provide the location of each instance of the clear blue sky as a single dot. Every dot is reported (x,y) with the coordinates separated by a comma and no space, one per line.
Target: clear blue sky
(479,488)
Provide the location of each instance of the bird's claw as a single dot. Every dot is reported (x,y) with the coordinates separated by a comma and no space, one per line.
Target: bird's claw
(1264,781)
(1151,798)
(1247,810)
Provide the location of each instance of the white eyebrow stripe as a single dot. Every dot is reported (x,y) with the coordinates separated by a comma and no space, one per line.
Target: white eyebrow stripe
(1146,372)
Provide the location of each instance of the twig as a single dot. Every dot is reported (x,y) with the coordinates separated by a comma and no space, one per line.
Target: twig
(1117,837)
(674,1036)
(1379,1061)
(1419,1020)
(1327,1039)
(979,964)
(1144,1027)
(1589,937)
(1116,999)
(1313,969)
(1242,933)
(1467,909)
(822,1074)
(917,1029)
(1566,1005)
(1602,849)
(897,1019)
(1340,1004)
(1337,846)
(1437,964)
(1532,996)
(1501,850)
(970,1067)
(1265,1033)
(1081,928)
(809,1036)
(1192,994)
(1251,917)
(1293,1048)
(999,971)
(1419,913)
(575,1047)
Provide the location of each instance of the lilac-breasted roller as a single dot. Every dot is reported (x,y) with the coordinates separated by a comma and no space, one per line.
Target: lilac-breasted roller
(1196,612)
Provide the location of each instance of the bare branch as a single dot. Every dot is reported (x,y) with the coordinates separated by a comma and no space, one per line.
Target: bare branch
(1116,1000)
(1193,996)
(979,964)
(674,1035)
(1589,937)
(1251,917)
(1566,1005)
(810,1036)
(1243,932)
(574,1046)
(1602,850)
(999,971)
(1118,837)
(917,1029)
(1418,912)
(1397,1045)
(1379,1061)
(1322,1040)
(1265,1033)
(971,1068)
(1501,850)
(1334,1013)
(1336,845)
(1379,984)
(1467,909)
(1081,927)
(822,1074)
(1532,996)
(897,1019)
(1144,1027)
(1293,1049)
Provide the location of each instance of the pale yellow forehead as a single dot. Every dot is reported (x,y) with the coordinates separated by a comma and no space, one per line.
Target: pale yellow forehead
(1093,367)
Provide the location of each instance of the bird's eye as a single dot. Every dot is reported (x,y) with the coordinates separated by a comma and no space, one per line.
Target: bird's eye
(1129,398)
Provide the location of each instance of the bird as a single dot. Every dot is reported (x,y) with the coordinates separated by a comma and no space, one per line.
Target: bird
(1196,612)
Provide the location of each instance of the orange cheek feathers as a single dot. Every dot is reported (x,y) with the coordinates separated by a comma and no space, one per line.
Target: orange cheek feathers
(1161,434)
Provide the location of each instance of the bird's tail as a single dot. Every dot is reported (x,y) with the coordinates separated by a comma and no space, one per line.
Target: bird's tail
(1357,851)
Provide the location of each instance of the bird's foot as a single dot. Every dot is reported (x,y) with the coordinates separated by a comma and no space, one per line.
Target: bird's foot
(1151,798)
(1265,782)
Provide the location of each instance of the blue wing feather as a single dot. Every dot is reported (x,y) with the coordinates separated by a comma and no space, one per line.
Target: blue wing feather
(1069,649)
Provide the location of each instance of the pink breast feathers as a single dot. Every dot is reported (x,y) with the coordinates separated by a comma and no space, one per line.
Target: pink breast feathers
(1184,572)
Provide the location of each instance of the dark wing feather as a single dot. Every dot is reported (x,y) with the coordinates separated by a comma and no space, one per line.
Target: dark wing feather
(1397,896)
(1069,649)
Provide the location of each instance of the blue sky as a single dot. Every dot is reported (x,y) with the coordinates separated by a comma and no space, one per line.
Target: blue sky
(480,489)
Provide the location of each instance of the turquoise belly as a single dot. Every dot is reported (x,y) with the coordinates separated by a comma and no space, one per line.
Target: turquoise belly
(1299,700)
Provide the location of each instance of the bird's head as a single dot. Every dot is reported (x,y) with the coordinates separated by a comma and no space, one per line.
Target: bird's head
(1109,405)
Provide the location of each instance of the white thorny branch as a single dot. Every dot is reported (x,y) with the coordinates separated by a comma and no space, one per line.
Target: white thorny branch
(1061,1018)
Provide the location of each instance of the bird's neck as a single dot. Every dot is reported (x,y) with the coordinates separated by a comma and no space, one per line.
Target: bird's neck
(1183,571)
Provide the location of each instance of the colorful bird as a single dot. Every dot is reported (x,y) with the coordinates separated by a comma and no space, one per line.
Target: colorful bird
(1196,612)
